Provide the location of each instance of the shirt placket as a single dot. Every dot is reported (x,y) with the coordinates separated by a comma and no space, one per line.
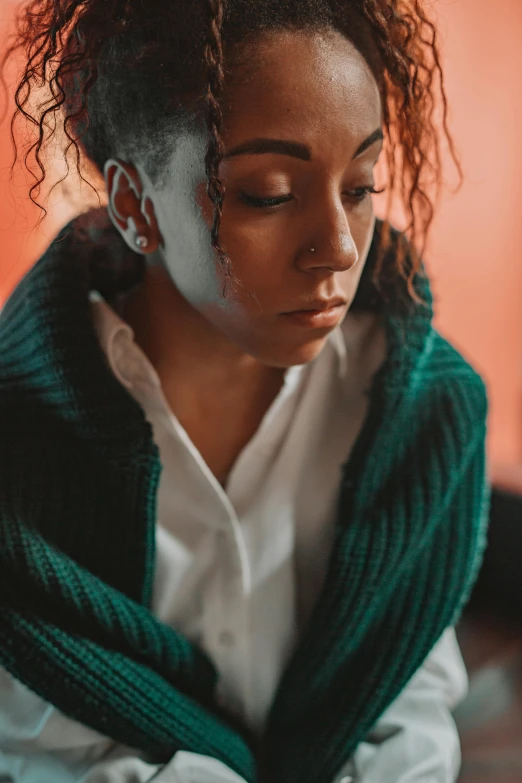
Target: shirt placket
(227,618)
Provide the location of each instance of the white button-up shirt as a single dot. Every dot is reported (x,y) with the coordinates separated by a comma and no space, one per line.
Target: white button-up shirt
(238,571)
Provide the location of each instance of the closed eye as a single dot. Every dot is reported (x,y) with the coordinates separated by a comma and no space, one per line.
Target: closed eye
(260,202)
(359,194)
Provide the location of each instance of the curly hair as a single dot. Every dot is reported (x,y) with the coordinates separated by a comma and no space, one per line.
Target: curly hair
(125,76)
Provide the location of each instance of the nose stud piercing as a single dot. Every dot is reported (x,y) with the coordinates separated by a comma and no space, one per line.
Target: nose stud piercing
(312,250)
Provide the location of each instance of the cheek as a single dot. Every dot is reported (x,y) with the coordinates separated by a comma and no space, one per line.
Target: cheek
(261,250)
(187,251)
(246,245)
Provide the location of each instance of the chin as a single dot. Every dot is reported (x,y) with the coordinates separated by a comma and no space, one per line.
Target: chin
(302,354)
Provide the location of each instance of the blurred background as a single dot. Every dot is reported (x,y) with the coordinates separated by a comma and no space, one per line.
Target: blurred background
(476,270)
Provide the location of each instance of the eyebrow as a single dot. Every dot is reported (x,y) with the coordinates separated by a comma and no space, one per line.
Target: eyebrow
(293,148)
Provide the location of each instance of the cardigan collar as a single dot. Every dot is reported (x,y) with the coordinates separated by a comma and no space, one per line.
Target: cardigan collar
(50,353)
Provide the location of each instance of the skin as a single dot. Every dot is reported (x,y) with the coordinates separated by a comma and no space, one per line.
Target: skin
(222,359)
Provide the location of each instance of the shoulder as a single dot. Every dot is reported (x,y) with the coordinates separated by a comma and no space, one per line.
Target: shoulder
(444,428)
(449,375)
(439,416)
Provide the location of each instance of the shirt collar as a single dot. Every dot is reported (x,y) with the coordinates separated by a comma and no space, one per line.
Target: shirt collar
(127,361)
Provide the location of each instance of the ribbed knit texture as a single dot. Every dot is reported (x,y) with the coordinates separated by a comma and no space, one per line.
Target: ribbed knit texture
(78,480)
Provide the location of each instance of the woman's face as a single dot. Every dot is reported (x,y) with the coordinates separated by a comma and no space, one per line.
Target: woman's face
(302,120)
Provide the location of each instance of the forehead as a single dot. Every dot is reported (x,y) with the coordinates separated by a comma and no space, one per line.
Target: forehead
(314,87)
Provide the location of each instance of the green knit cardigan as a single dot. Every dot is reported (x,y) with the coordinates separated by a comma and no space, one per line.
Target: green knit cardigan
(79,474)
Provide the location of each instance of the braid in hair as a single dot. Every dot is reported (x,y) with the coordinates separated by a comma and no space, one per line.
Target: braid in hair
(214,57)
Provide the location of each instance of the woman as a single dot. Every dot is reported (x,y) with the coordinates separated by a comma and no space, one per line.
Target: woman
(242,476)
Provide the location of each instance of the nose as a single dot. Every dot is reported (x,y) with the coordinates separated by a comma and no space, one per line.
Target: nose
(331,245)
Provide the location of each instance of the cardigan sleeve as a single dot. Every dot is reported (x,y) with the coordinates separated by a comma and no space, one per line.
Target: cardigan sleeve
(416,740)
(37,742)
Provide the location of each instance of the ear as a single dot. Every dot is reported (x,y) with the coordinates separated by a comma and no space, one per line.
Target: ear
(129,208)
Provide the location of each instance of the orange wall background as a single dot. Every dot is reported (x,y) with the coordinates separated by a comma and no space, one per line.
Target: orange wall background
(474,254)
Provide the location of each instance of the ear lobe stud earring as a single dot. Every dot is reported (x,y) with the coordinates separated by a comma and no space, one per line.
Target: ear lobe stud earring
(141,241)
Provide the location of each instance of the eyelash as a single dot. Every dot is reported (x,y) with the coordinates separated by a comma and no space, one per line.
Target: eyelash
(266,203)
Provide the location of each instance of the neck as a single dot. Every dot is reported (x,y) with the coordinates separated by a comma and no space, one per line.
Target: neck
(193,360)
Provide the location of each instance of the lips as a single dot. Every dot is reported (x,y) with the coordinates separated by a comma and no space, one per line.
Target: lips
(319,305)
(327,318)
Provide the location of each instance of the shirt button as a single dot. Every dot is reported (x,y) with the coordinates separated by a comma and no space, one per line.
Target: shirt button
(226,638)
